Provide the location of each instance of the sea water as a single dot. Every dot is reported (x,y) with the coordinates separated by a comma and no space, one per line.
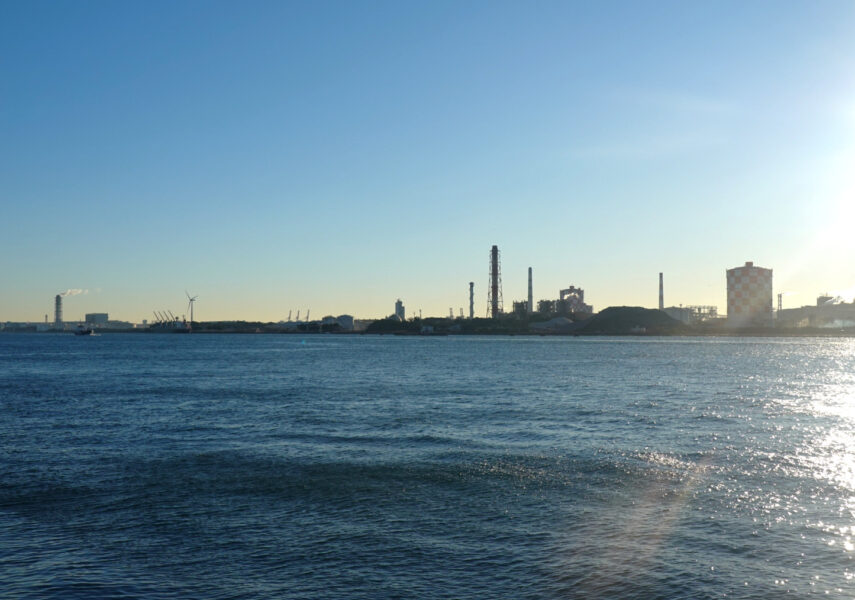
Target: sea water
(331,466)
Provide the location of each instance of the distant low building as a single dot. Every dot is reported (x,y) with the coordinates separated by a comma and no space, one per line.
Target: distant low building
(546,307)
(682,314)
(97,319)
(361,324)
(571,301)
(13,326)
(342,322)
(829,313)
(690,315)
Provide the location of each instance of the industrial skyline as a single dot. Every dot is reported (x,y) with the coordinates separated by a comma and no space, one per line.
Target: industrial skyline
(95,302)
(334,156)
(749,291)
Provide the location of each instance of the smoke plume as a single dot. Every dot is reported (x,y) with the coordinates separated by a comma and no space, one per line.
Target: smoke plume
(847,295)
(73,292)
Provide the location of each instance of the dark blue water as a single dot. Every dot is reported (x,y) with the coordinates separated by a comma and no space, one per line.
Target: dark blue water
(217,466)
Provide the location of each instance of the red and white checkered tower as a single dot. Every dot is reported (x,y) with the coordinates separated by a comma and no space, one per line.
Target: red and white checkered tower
(749,296)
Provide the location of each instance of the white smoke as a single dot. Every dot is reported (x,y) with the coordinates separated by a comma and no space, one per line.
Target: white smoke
(847,295)
(74,292)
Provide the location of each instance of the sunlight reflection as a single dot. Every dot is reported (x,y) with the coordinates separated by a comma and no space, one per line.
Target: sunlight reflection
(832,458)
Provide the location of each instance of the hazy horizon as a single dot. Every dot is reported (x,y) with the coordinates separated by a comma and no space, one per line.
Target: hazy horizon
(276,157)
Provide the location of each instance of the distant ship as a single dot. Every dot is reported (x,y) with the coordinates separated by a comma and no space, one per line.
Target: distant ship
(83,330)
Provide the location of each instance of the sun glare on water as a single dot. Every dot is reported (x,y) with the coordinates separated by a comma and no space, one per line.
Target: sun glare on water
(832,453)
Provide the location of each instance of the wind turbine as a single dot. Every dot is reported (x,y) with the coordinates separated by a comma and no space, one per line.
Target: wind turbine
(190,302)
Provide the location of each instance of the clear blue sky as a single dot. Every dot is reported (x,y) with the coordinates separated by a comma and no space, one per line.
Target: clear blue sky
(339,155)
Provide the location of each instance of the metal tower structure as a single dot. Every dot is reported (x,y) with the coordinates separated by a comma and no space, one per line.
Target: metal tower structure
(530,307)
(471,299)
(494,291)
(661,293)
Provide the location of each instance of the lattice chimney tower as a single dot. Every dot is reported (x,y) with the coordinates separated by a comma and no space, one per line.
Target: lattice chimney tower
(494,292)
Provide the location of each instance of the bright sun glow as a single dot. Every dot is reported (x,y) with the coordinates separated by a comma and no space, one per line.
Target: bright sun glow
(839,245)
(826,257)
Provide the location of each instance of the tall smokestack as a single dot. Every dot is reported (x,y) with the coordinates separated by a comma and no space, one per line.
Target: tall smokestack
(57,311)
(530,294)
(471,299)
(661,293)
(494,296)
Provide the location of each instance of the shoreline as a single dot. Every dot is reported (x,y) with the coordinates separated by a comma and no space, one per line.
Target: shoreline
(745,333)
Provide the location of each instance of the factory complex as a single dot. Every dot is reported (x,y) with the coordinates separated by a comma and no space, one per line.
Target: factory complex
(749,309)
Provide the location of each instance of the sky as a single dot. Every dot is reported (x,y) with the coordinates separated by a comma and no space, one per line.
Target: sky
(271,157)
